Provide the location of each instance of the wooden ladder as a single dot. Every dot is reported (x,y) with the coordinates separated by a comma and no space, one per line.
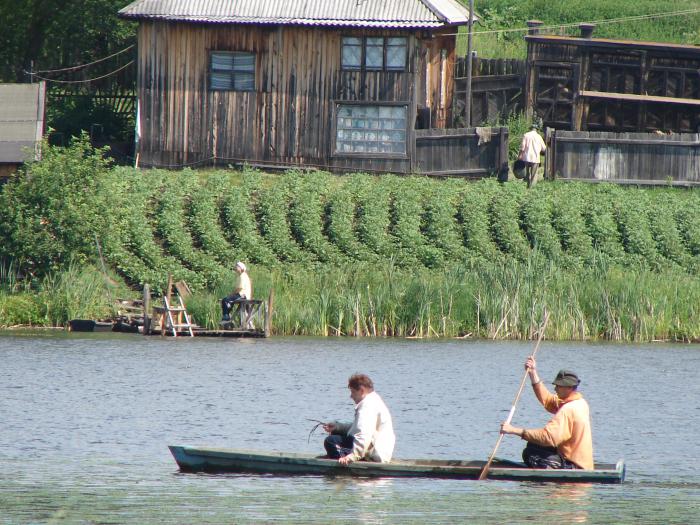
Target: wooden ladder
(180,312)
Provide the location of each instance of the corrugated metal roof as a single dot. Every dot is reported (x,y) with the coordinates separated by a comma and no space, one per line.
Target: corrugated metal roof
(354,13)
(21,119)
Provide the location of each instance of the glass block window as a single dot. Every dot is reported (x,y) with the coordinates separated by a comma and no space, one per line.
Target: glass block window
(374,53)
(232,71)
(371,129)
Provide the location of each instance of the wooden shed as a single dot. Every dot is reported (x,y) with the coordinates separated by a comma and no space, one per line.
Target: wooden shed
(21,124)
(585,83)
(335,84)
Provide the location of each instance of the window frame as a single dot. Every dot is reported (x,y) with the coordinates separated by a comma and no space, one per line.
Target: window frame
(231,72)
(335,153)
(363,54)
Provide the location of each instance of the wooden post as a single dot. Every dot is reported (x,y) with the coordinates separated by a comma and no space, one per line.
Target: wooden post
(170,287)
(146,309)
(468,94)
(268,313)
(502,154)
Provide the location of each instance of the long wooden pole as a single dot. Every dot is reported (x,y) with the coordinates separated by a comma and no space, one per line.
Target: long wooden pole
(485,470)
(468,94)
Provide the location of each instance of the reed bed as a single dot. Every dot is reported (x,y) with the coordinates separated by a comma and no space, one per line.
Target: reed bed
(505,300)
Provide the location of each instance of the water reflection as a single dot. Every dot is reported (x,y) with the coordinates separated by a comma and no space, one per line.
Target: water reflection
(575,498)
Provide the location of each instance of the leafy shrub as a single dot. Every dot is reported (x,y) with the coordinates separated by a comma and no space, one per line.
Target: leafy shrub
(341,212)
(373,214)
(505,216)
(52,210)
(308,192)
(475,219)
(272,206)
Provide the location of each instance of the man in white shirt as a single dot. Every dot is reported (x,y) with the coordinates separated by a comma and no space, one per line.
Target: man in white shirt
(243,291)
(371,434)
(531,148)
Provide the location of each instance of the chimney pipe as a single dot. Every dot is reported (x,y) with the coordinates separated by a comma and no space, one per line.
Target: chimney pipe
(533,27)
(586,30)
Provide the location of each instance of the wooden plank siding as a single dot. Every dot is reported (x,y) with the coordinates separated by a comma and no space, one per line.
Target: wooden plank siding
(498,89)
(616,86)
(458,152)
(627,158)
(289,119)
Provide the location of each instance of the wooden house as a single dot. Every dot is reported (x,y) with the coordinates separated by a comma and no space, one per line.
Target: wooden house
(582,83)
(333,84)
(21,125)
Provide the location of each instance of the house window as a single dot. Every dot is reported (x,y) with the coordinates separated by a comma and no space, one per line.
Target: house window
(232,71)
(371,129)
(374,53)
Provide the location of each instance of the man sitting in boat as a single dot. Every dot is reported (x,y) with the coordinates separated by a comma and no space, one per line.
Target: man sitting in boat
(565,442)
(370,436)
(242,292)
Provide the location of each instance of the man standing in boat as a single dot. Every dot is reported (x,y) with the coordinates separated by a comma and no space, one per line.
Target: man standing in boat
(371,434)
(565,442)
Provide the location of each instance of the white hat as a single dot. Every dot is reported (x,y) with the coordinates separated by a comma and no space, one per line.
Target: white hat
(240,265)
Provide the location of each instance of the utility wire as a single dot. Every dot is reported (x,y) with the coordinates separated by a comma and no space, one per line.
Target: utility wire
(34,75)
(73,68)
(599,22)
(575,24)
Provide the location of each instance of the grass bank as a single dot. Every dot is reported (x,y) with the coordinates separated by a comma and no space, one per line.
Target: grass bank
(618,19)
(354,255)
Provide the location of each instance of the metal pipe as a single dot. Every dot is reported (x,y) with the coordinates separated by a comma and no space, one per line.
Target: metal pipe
(468,95)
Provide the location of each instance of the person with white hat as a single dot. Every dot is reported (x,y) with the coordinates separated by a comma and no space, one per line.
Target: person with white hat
(242,292)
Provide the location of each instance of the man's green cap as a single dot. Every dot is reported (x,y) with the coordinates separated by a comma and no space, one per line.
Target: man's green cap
(566,378)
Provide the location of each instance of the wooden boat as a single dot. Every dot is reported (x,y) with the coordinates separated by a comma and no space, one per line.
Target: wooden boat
(204,459)
(89,325)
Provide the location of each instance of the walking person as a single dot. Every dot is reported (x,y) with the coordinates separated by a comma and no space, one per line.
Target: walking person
(531,148)
(371,434)
(565,442)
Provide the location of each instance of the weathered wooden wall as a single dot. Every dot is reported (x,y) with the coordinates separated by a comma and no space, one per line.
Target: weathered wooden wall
(462,152)
(607,85)
(289,119)
(498,89)
(632,158)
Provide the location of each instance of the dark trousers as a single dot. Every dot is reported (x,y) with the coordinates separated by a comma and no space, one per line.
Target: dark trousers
(537,456)
(530,173)
(337,446)
(228,302)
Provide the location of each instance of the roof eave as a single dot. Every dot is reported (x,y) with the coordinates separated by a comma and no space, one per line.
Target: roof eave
(403,24)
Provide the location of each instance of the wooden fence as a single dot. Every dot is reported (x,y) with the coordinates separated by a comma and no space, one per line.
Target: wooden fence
(498,88)
(624,158)
(466,152)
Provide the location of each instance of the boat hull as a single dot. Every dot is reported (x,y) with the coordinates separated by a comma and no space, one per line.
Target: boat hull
(204,459)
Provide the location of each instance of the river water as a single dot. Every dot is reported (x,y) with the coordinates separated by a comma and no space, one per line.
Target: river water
(86,420)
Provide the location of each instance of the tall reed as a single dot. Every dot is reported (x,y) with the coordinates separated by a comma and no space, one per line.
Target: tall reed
(499,300)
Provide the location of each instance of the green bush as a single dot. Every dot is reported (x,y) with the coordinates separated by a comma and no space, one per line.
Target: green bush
(54,208)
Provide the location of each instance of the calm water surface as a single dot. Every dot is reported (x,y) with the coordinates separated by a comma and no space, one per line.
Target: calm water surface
(86,421)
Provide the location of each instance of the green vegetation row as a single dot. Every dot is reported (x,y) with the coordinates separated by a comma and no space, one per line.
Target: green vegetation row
(357,254)
(509,14)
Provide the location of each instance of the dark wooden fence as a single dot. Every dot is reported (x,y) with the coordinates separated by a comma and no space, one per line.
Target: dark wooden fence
(498,88)
(465,152)
(625,158)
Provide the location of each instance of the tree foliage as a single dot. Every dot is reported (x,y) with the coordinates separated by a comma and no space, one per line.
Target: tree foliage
(54,34)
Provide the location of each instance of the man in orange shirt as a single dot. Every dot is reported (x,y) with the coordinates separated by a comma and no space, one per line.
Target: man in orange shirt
(565,441)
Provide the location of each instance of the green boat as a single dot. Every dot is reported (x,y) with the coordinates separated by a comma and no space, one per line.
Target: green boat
(205,459)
